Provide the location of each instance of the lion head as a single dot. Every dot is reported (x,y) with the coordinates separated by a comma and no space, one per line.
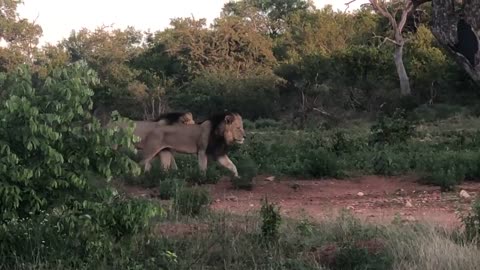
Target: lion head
(187,119)
(233,131)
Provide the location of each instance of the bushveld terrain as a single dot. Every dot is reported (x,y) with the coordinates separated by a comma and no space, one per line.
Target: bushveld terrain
(349,162)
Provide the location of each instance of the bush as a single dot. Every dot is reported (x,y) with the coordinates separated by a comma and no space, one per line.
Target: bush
(266,123)
(472,222)
(271,220)
(390,161)
(169,188)
(320,163)
(256,96)
(191,200)
(392,130)
(247,169)
(80,234)
(51,146)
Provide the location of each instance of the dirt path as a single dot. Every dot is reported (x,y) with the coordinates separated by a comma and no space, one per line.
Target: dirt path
(383,199)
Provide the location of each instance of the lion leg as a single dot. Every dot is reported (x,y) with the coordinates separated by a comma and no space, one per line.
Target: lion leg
(166,158)
(150,150)
(202,161)
(227,163)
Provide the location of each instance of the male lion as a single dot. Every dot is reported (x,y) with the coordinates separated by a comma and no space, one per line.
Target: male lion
(142,128)
(208,138)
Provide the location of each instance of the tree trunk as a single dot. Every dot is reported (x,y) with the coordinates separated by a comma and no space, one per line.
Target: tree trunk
(402,73)
(457,28)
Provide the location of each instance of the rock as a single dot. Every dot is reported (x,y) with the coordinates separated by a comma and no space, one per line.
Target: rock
(360,194)
(232,198)
(350,207)
(217,200)
(410,218)
(251,205)
(408,204)
(464,194)
(270,178)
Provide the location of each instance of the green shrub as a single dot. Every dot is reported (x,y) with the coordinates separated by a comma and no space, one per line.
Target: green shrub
(78,234)
(169,188)
(392,129)
(266,123)
(50,144)
(471,221)
(191,200)
(390,161)
(352,257)
(445,169)
(320,163)
(247,170)
(271,220)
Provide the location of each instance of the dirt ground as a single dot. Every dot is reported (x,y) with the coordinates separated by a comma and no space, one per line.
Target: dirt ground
(371,198)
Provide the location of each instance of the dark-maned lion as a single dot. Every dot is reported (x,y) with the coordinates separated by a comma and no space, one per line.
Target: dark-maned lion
(142,128)
(209,138)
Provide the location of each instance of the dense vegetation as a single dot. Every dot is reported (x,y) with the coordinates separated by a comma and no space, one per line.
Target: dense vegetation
(321,98)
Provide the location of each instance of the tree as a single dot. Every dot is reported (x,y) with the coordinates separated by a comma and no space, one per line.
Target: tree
(19,35)
(231,45)
(457,26)
(272,14)
(109,52)
(405,6)
(51,148)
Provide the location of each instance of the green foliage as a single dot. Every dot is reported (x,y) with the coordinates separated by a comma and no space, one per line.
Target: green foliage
(319,163)
(50,144)
(392,129)
(169,188)
(471,221)
(255,96)
(271,220)
(82,234)
(247,170)
(354,257)
(390,161)
(191,200)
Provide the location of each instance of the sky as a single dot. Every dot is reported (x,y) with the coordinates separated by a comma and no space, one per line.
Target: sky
(59,17)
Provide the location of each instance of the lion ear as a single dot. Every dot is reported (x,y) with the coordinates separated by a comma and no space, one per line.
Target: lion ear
(228,119)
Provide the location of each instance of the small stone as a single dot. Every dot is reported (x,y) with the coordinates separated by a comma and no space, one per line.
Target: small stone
(410,218)
(251,205)
(350,207)
(408,204)
(270,178)
(217,200)
(232,198)
(360,194)
(464,194)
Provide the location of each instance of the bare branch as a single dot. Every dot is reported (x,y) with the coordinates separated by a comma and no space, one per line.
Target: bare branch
(385,39)
(379,7)
(348,5)
(405,13)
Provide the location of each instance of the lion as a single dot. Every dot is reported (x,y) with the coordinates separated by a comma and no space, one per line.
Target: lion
(142,128)
(209,138)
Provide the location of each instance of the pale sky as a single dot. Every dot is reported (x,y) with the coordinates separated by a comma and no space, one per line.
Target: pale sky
(58,17)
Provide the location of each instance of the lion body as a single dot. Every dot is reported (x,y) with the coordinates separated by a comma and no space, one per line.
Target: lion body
(208,138)
(143,128)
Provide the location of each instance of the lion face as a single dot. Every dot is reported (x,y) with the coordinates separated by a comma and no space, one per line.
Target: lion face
(234,132)
(187,119)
